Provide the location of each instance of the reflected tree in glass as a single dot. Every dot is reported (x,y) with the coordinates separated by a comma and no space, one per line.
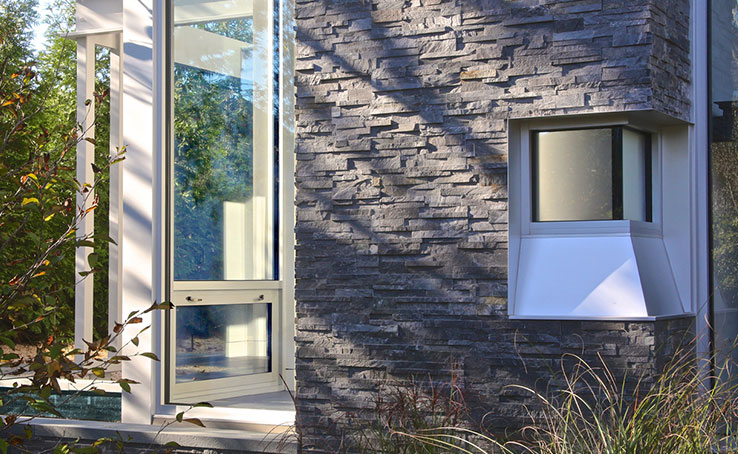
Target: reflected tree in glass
(213,147)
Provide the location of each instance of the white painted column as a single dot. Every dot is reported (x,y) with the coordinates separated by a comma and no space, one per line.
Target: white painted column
(85,157)
(138,256)
(115,297)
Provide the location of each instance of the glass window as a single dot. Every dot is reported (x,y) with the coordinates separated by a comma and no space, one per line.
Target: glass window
(591,174)
(223,78)
(222,340)
(223,149)
(724,176)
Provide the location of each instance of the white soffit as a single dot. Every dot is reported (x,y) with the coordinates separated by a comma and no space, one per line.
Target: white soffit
(581,277)
(195,47)
(199,11)
(94,15)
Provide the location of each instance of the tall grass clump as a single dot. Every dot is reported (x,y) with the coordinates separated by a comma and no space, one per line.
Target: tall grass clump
(416,417)
(689,407)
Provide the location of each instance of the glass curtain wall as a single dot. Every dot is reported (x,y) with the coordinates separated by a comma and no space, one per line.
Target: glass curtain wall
(724,174)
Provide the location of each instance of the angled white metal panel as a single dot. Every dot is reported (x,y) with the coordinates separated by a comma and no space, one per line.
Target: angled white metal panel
(579,277)
(576,270)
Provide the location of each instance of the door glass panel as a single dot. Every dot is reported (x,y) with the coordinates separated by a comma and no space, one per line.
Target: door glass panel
(724,175)
(223,178)
(222,340)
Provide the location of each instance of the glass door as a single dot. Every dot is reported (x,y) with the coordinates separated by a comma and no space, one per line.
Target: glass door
(223,208)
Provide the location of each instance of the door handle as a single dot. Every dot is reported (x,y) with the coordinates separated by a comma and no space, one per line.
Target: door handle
(193,300)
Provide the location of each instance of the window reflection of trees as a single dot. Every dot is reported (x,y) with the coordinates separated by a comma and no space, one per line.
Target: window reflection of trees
(213,153)
(725,202)
(213,148)
(724,150)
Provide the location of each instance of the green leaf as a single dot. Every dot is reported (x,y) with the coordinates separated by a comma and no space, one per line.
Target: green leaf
(125,386)
(194,421)
(92,259)
(150,356)
(3,446)
(119,358)
(85,450)
(46,392)
(179,416)
(203,404)
(135,341)
(98,371)
(7,341)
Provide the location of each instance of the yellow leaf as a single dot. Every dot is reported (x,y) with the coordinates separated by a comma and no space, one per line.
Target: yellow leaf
(7,103)
(27,200)
(48,218)
(39,274)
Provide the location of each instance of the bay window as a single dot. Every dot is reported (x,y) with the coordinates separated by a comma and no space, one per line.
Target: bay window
(599,217)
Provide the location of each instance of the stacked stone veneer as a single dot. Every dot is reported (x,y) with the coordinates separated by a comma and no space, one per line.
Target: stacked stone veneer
(401,254)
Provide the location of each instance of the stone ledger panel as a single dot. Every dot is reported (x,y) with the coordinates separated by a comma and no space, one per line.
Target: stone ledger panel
(401,260)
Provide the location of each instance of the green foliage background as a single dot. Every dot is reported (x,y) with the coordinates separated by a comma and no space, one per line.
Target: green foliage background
(53,99)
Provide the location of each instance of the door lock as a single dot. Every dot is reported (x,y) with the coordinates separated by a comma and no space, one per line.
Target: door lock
(193,300)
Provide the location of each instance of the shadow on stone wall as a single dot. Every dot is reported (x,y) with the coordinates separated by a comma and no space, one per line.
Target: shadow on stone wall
(401,260)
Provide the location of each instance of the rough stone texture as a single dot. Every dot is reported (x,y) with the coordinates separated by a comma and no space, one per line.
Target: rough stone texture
(401,254)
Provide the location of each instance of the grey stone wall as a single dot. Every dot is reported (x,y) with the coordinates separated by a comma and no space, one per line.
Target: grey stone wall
(401,230)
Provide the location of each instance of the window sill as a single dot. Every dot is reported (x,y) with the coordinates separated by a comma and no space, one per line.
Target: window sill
(266,413)
(602,319)
(594,228)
